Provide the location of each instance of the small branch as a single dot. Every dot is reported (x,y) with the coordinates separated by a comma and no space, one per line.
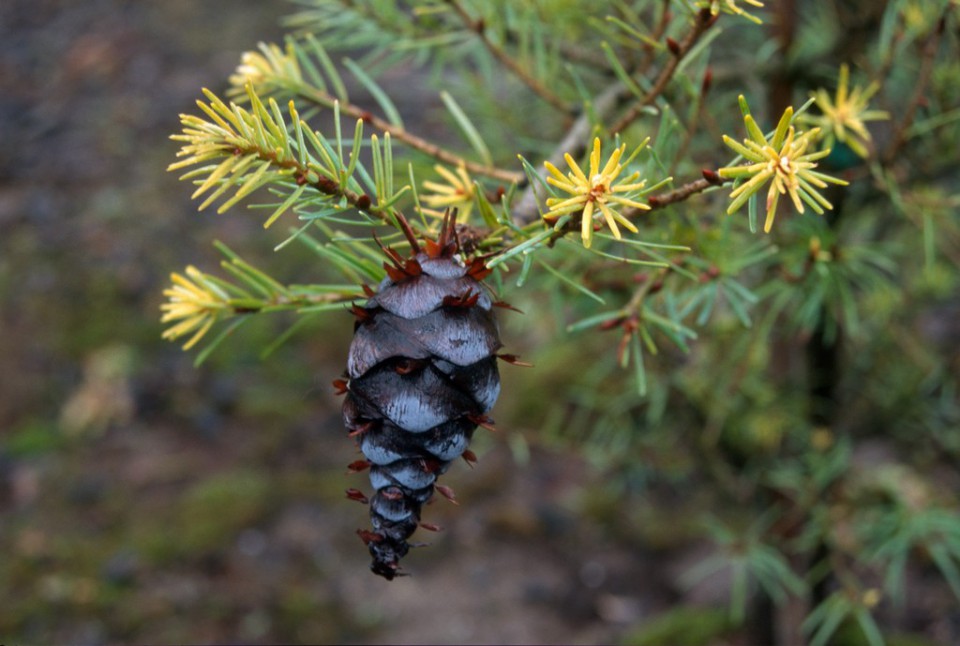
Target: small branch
(681,193)
(410,139)
(702,22)
(923,79)
(478,27)
(656,202)
(286,302)
(324,184)
(649,286)
(650,53)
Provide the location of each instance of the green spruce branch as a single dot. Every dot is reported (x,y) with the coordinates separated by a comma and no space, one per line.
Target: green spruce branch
(304,71)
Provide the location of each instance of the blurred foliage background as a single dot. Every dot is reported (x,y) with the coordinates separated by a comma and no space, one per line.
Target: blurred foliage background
(145,500)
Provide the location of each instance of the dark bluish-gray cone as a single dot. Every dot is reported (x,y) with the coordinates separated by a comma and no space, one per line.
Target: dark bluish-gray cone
(422,372)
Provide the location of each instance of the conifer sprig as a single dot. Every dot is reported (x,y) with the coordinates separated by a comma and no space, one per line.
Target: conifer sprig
(635,299)
(196,300)
(783,160)
(843,117)
(239,150)
(731,7)
(477,26)
(631,84)
(295,72)
(598,192)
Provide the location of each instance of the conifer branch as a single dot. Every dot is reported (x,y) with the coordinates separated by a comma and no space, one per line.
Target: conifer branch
(273,70)
(817,285)
(413,141)
(575,141)
(477,26)
(658,31)
(251,149)
(196,301)
(702,21)
(658,201)
(681,193)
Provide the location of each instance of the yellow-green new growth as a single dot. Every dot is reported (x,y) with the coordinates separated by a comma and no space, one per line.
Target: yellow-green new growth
(267,70)
(459,192)
(783,161)
(595,192)
(195,302)
(730,6)
(843,117)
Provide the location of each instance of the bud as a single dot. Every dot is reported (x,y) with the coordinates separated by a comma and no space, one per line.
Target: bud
(673,46)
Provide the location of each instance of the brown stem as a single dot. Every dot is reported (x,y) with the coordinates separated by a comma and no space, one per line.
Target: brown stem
(477,26)
(327,186)
(678,194)
(923,78)
(649,51)
(701,23)
(412,140)
(659,201)
(658,33)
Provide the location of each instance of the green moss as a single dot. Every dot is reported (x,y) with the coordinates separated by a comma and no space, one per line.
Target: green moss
(326,486)
(685,625)
(33,437)
(207,517)
(850,634)
(904,639)
(303,613)
(214,510)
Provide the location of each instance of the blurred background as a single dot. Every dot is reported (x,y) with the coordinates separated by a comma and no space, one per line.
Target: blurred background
(145,500)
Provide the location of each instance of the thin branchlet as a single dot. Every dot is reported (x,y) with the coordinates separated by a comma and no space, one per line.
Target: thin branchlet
(929,55)
(678,50)
(477,26)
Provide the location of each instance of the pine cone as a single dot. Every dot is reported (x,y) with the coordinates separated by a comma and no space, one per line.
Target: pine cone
(421,374)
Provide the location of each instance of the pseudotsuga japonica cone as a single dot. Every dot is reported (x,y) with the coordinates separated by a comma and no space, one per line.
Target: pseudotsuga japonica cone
(421,375)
